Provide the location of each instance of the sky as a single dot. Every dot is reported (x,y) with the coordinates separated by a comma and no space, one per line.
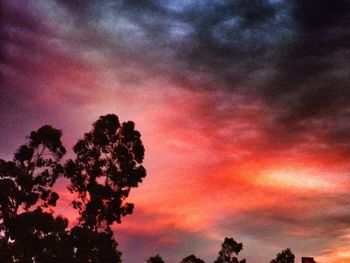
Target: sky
(243,107)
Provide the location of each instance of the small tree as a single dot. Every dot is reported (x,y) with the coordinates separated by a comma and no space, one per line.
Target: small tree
(228,249)
(286,256)
(192,259)
(155,259)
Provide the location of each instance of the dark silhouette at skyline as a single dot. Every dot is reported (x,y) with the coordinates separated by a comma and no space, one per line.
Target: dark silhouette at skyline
(107,166)
(192,259)
(307,260)
(286,256)
(155,259)
(228,249)
(27,231)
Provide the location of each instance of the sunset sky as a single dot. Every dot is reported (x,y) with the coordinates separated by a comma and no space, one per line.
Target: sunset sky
(243,107)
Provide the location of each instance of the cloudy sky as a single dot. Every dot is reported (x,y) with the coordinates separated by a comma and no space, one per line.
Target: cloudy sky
(243,107)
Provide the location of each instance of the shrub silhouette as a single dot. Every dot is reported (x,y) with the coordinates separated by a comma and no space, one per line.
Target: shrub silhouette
(155,259)
(286,256)
(228,249)
(192,259)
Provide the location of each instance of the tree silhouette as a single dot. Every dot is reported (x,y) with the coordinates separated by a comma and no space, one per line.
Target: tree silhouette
(286,256)
(228,248)
(192,259)
(155,259)
(93,246)
(107,165)
(37,236)
(27,232)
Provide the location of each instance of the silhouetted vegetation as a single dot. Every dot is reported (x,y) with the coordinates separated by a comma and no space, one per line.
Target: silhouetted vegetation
(192,259)
(286,256)
(27,231)
(107,165)
(155,259)
(228,249)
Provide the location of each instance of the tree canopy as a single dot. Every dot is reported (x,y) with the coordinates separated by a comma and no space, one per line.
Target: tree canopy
(108,164)
(286,256)
(27,231)
(192,259)
(155,259)
(228,249)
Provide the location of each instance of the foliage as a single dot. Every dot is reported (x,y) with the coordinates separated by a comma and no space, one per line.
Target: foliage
(286,256)
(107,166)
(30,177)
(28,232)
(92,246)
(35,235)
(192,259)
(228,248)
(155,259)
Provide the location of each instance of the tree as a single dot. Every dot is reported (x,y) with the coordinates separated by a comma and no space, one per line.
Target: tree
(27,231)
(92,246)
(192,259)
(107,166)
(37,236)
(286,256)
(228,248)
(155,259)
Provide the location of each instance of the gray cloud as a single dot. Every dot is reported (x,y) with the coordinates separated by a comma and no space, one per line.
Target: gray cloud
(289,54)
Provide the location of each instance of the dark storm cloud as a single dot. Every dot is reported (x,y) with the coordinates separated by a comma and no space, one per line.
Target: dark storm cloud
(311,84)
(225,43)
(198,44)
(289,54)
(201,43)
(307,72)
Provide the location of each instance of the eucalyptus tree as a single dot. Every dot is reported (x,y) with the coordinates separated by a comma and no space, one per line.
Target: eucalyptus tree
(108,164)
